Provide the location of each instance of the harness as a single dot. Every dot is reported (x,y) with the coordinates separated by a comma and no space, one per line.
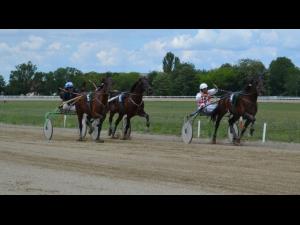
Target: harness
(138,105)
(234,99)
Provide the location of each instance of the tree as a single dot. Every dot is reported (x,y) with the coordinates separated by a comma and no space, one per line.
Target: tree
(62,75)
(292,82)
(183,80)
(151,77)
(279,73)
(124,81)
(2,84)
(248,69)
(20,80)
(170,62)
(161,84)
(225,77)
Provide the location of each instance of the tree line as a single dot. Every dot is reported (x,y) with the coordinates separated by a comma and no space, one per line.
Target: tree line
(282,78)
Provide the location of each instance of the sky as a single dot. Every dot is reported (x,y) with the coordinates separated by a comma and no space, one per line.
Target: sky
(142,50)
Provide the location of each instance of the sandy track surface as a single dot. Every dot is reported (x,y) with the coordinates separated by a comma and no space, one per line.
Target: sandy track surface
(147,164)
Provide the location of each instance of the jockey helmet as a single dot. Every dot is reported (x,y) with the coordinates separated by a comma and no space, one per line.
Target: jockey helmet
(69,85)
(202,86)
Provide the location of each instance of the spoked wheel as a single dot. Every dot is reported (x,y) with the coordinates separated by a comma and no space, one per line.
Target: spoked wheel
(124,128)
(187,132)
(48,129)
(230,135)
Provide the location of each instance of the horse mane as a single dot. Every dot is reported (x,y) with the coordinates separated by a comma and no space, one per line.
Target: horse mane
(134,85)
(249,86)
(83,87)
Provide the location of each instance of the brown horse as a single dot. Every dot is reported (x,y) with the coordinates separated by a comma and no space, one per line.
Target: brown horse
(96,108)
(238,104)
(132,105)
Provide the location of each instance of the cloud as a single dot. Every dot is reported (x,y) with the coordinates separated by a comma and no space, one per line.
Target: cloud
(270,37)
(156,47)
(207,39)
(108,58)
(55,46)
(33,43)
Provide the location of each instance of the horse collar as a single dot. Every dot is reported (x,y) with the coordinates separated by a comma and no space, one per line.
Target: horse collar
(138,105)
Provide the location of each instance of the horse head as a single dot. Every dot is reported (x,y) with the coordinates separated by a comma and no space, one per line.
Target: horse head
(145,85)
(105,85)
(255,85)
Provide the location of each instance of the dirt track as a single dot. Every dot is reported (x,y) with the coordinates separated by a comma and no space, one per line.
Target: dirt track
(147,164)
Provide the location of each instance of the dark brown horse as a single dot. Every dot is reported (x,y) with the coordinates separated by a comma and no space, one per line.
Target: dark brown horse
(96,108)
(238,104)
(132,104)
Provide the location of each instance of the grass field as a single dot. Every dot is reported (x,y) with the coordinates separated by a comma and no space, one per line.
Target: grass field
(283,119)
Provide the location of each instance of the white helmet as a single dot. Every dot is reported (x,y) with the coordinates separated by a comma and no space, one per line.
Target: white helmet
(203,85)
(69,85)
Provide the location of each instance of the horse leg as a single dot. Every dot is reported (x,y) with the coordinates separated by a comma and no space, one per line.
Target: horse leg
(79,117)
(89,123)
(101,120)
(110,129)
(116,125)
(124,137)
(251,119)
(252,128)
(231,121)
(245,127)
(146,115)
(218,119)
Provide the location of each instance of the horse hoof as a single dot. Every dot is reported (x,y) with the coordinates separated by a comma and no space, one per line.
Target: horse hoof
(99,141)
(123,138)
(80,139)
(237,142)
(214,142)
(91,131)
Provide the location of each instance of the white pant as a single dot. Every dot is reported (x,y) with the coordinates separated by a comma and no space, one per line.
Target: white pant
(210,108)
(69,108)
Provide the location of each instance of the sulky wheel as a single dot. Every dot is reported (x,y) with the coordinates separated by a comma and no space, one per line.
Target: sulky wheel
(48,129)
(187,132)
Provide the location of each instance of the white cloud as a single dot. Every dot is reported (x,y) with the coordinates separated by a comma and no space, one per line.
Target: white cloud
(269,37)
(108,57)
(33,43)
(206,39)
(234,39)
(55,46)
(84,49)
(156,47)
(181,41)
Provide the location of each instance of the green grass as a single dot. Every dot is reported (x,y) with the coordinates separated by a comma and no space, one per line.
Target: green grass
(283,119)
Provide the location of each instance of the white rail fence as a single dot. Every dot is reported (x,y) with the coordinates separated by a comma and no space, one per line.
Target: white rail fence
(147,98)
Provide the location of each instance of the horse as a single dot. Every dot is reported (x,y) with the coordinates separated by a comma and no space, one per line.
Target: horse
(238,104)
(96,108)
(132,105)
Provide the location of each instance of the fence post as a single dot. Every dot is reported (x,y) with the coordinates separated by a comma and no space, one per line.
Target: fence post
(199,128)
(264,133)
(65,119)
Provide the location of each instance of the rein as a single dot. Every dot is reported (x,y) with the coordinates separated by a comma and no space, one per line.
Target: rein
(101,103)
